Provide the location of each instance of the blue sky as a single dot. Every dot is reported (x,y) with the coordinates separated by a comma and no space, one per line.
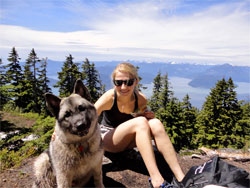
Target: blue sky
(195,31)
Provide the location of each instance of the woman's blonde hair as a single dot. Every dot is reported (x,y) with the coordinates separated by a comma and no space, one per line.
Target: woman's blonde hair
(127,68)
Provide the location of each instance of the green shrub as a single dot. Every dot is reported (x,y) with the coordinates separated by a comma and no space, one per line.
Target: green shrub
(43,127)
(11,107)
(42,143)
(30,115)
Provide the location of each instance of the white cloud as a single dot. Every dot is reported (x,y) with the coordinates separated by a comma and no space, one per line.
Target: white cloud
(145,31)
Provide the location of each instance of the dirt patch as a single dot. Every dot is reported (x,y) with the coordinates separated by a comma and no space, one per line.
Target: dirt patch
(114,176)
(16,120)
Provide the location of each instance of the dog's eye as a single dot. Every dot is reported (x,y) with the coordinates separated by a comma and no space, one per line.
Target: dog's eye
(67,114)
(81,108)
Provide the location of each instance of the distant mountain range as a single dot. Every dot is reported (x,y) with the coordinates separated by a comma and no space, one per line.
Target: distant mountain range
(203,76)
(209,77)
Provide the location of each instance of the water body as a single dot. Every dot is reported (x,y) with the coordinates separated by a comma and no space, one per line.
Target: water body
(197,96)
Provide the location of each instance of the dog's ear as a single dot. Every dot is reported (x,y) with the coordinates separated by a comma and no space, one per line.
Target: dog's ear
(81,90)
(53,103)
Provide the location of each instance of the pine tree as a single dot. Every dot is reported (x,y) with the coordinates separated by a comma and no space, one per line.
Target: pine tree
(189,114)
(163,98)
(31,86)
(2,74)
(14,72)
(43,82)
(4,96)
(239,132)
(42,77)
(217,122)
(14,77)
(166,93)
(27,89)
(139,85)
(171,117)
(155,98)
(168,109)
(92,79)
(243,128)
(67,77)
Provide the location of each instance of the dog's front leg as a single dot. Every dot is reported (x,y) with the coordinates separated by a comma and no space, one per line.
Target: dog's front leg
(64,180)
(98,179)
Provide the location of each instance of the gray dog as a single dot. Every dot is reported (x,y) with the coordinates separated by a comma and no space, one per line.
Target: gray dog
(76,152)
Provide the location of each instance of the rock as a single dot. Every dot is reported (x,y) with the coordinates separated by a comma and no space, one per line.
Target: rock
(30,137)
(230,154)
(195,156)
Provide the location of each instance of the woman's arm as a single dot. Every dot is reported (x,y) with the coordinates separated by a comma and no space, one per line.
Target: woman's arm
(104,102)
(143,108)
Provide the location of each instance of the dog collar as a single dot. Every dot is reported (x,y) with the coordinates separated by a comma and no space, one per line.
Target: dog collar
(81,148)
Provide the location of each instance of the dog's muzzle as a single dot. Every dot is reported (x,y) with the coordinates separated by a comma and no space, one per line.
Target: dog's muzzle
(81,129)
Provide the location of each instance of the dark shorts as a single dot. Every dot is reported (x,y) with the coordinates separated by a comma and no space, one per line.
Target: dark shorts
(105,129)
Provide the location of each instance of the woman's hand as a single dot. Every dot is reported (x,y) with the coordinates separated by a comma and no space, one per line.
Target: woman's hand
(147,114)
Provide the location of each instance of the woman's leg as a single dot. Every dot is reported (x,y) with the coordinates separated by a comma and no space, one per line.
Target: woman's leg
(165,146)
(135,131)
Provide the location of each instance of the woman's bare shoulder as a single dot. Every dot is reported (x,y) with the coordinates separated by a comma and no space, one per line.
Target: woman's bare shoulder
(141,96)
(107,96)
(109,93)
(105,101)
(142,100)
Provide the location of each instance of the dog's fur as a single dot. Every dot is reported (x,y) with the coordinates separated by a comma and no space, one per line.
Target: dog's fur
(76,152)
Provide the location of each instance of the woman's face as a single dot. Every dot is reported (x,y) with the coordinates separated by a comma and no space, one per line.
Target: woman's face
(124,89)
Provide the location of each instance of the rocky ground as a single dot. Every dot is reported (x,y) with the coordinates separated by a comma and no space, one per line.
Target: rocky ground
(118,173)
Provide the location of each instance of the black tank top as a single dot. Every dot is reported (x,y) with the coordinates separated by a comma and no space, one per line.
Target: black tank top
(113,117)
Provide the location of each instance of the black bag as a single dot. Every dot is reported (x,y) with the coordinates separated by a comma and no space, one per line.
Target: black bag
(216,172)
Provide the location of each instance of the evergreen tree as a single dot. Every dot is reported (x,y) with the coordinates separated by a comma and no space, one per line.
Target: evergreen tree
(92,79)
(31,86)
(166,94)
(102,86)
(155,98)
(189,114)
(2,74)
(14,70)
(14,76)
(42,77)
(33,60)
(67,77)
(4,96)
(243,131)
(168,109)
(44,81)
(27,88)
(217,122)
(171,117)
(139,85)
(246,111)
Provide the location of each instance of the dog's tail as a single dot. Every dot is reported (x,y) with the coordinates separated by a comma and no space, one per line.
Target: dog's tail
(43,172)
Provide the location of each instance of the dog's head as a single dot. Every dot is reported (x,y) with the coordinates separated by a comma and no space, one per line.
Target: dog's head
(75,114)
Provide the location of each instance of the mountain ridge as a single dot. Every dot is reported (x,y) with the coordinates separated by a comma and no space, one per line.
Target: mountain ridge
(203,76)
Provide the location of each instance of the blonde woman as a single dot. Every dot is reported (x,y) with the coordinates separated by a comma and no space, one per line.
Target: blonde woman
(122,129)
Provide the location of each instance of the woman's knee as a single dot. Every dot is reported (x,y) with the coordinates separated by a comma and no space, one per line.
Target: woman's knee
(156,127)
(142,124)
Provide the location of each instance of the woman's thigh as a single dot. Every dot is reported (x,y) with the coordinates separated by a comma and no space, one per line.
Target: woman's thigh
(123,136)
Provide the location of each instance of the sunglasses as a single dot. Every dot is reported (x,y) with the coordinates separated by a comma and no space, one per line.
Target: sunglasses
(129,82)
